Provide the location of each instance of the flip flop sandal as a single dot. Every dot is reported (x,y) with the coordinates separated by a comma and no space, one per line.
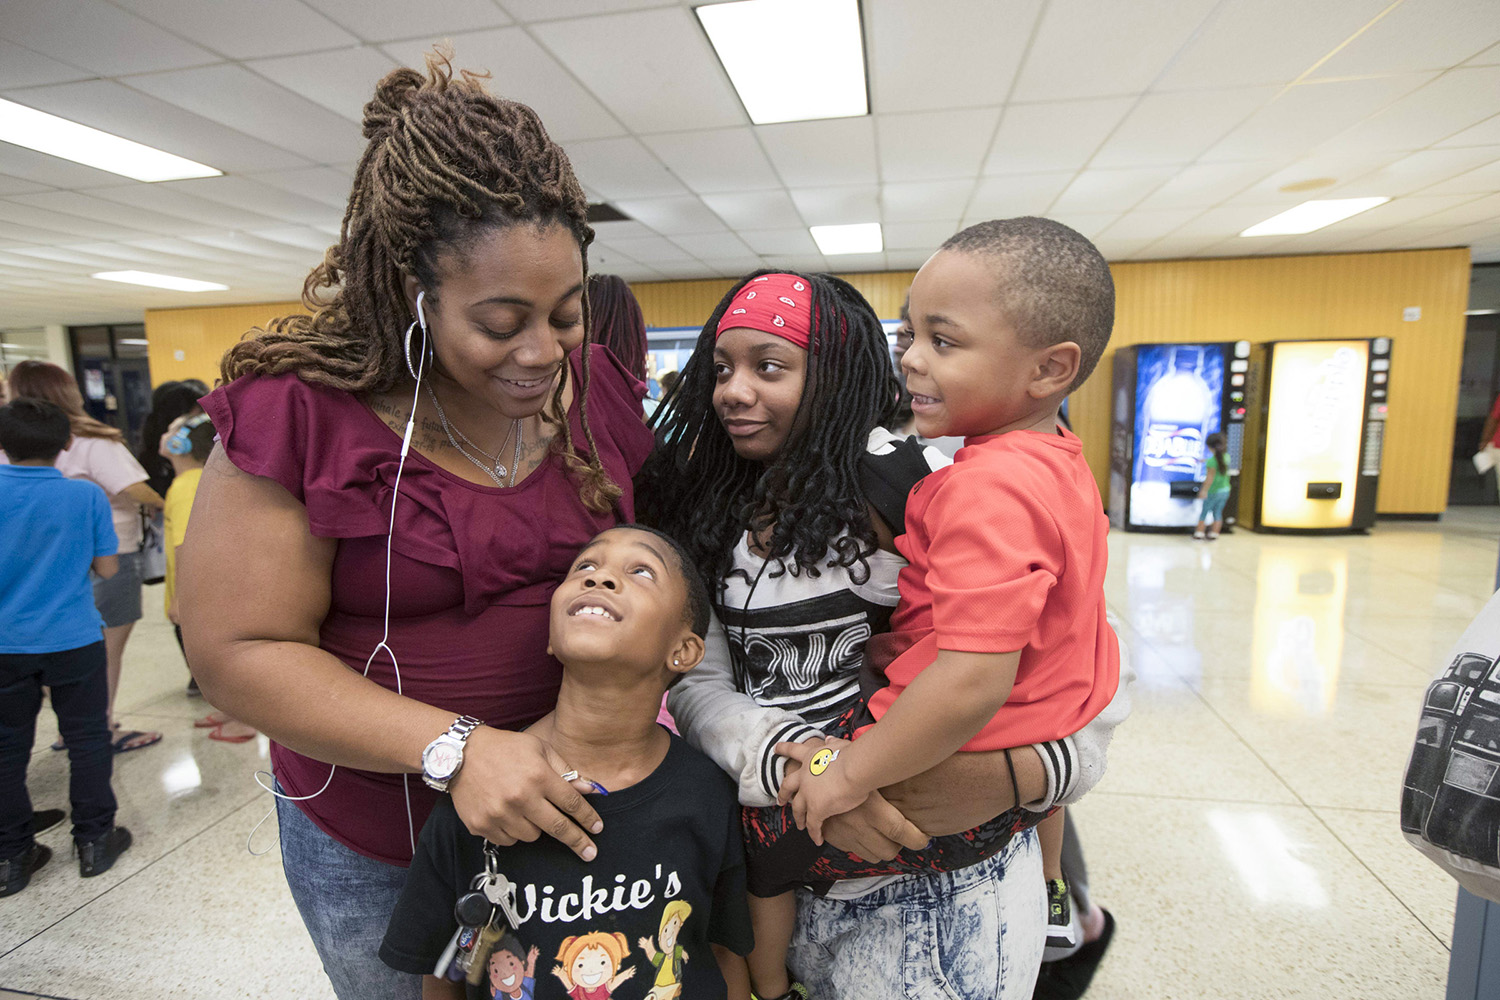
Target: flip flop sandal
(58,744)
(210,721)
(218,734)
(141,739)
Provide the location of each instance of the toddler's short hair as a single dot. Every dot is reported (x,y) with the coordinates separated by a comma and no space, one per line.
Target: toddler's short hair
(33,428)
(1052,283)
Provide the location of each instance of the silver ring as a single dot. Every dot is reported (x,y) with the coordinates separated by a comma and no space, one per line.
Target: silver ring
(570,776)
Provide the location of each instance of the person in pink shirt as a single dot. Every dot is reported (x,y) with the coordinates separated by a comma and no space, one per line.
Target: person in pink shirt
(98,454)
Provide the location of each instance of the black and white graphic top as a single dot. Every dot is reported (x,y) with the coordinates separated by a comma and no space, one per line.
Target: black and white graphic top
(798,641)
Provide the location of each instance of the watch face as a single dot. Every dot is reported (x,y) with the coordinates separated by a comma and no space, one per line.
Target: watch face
(441,760)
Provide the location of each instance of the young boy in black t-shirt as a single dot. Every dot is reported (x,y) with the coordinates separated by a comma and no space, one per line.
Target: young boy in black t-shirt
(660,913)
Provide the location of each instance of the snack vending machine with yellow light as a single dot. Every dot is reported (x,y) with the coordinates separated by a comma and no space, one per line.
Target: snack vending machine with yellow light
(1318,432)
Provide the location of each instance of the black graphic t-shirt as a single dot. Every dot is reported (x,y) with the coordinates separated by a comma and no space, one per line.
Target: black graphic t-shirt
(635,923)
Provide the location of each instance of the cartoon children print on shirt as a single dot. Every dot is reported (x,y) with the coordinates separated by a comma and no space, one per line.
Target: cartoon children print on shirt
(590,965)
(671,956)
(512,970)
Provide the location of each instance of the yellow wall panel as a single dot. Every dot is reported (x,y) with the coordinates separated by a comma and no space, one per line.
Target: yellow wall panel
(188,343)
(1335,296)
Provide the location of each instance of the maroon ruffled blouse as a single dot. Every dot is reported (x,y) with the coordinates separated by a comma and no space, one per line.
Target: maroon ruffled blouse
(473,568)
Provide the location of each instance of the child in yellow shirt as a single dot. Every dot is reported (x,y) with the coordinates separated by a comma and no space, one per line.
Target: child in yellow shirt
(187,444)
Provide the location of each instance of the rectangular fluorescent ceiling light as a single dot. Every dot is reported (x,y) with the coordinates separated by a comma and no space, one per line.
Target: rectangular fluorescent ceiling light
(862,237)
(1312,215)
(56,136)
(176,284)
(791,60)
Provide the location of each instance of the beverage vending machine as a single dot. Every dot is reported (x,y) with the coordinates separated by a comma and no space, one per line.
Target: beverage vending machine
(1317,433)
(1168,399)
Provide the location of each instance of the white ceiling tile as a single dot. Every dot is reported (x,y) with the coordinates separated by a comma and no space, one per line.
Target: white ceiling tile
(726,159)
(653,69)
(1306,115)
(715,246)
(1176,127)
(1433,34)
(621,168)
(1053,136)
(86,206)
(1465,213)
(1489,57)
(838,206)
(689,270)
(119,110)
(1115,248)
(244,243)
(159,197)
(1204,184)
(1328,163)
(733,267)
(603,260)
(386,20)
(908,42)
(15,185)
(754,209)
(244,30)
(684,215)
(240,99)
(252,196)
(1110,190)
(303,237)
(857,263)
(521,70)
(822,153)
(1248,42)
(1484,180)
(1175,247)
(906,260)
(640,272)
(1419,171)
(650,250)
(812,263)
(923,201)
(342,80)
(329,185)
(1486,133)
(1148,225)
(780,242)
(1019,194)
(1088,49)
(21,67)
(546,10)
(57,222)
(1220,223)
(98,36)
(186,249)
(625,229)
(934,145)
(1452,103)
(921,236)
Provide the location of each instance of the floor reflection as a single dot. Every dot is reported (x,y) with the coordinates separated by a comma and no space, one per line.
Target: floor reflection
(1300,594)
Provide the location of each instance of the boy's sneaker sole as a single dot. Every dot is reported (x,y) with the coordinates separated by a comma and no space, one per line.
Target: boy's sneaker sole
(16,872)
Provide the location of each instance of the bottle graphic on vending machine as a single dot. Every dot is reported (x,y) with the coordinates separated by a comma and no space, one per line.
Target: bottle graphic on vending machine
(1172,424)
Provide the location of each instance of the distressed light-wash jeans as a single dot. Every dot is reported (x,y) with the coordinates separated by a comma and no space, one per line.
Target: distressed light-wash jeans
(975,934)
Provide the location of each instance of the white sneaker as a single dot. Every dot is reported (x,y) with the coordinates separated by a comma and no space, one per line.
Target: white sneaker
(1198,535)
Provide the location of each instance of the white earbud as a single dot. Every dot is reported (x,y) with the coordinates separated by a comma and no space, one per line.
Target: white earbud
(416,368)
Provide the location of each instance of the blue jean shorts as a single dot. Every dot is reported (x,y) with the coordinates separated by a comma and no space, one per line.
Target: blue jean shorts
(119,598)
(1213,507)
(974,934)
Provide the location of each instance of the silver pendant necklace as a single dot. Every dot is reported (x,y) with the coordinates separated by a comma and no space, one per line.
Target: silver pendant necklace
(492,466)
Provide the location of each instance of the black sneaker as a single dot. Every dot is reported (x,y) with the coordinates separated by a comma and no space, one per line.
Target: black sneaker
(1060,931)
(16,872)
(98,856)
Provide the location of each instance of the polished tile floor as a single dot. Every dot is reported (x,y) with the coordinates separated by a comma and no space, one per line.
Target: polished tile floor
(1245,837)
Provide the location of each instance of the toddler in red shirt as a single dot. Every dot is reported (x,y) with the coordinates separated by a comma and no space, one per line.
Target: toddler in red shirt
(1000,638)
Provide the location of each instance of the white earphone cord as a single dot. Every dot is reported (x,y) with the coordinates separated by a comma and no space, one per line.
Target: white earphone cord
(411,422)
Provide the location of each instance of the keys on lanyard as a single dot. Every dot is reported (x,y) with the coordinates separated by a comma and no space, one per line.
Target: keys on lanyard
(484,913)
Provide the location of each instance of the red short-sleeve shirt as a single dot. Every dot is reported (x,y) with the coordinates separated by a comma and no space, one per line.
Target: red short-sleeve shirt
(472,574)
(1007,551)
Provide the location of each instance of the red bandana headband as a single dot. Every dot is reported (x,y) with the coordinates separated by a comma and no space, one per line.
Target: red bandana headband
(778,304)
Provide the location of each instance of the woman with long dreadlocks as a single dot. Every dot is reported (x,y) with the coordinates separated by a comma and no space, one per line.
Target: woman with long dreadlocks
(774,468)
(402,479)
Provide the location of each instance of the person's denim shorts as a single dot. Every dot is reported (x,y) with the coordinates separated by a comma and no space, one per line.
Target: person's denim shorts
(974,934)
(1213,508)
(119,598)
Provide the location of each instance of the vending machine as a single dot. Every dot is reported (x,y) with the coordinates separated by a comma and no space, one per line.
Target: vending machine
(1168,399)
(1318,432)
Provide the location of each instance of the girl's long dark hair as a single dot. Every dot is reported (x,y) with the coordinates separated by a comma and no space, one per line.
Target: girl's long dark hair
(1217,444)
(697,489)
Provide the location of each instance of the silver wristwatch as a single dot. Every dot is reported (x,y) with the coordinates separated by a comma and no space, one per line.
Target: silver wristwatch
(445,755)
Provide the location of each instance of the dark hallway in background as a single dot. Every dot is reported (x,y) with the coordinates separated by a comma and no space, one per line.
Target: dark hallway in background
(1478,386)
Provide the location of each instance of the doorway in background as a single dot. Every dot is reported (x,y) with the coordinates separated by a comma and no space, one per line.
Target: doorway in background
(114,375)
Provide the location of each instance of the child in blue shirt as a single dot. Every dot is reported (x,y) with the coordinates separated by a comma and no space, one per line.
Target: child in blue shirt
(53,530)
